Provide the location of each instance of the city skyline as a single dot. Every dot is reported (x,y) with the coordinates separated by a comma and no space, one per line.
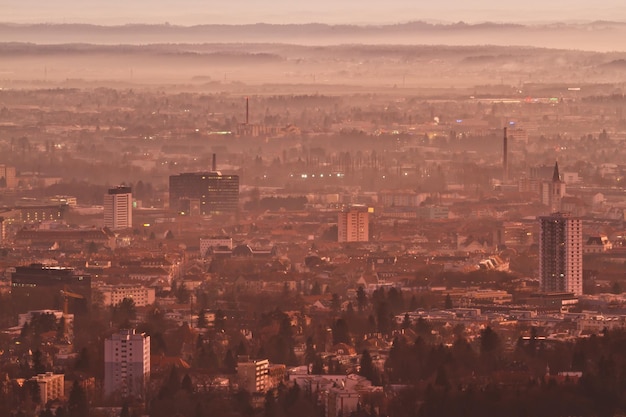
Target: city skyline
(194,12)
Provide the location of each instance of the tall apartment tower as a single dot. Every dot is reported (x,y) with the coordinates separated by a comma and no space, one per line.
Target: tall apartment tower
(118,208)
(353,224)
(561,254)
(126,365)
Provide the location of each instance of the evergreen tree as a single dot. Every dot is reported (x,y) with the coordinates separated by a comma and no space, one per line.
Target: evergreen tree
(77,404)
(366,368)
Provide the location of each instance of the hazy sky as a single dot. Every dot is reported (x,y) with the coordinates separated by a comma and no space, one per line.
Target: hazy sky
(190,12)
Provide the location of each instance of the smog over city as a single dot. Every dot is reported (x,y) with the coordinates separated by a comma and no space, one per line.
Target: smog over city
(272,209)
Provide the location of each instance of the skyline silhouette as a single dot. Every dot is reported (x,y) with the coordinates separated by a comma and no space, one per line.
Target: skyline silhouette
(194,12)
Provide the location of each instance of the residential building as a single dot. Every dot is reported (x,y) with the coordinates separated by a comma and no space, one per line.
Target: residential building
(341,402)
(253,375)
(51,386)
(115,294)
(353,224)
(118,208)
(126,365)
(204,193)
(8,180)
(561,254)
(222,242)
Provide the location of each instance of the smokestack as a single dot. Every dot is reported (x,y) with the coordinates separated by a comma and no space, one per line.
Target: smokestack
(247,110)
(505,161)
(214,164)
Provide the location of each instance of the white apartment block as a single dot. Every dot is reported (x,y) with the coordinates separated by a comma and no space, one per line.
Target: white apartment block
(126,365)
(115,294)
(118,208)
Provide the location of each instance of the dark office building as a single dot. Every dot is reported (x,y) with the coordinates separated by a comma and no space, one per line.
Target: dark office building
(39,287)
(203,193)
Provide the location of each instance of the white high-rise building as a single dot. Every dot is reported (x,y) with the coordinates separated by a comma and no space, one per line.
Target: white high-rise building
(126,365)
(561,254)
(353,224)
(118,208)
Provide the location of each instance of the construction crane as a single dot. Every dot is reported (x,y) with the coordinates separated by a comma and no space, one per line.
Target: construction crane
(66,296)
(68,330)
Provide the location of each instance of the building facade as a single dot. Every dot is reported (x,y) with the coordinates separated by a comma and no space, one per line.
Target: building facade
(40,287)
(115,294)
(8,179)
(204,193)
(51,386)
(118,208)
(561,254)
(221,242)
(126,365)
(253,375)
(353,224)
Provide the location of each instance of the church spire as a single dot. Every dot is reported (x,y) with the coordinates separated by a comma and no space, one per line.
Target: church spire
(556,177)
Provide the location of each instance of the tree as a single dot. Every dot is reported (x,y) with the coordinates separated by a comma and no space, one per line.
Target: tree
(383,317)
(366,367)
(38,366)
(335,303)
(406,322)
(182,294)
(125,411)
(77,404)
(230,363)
(489,341)
(309,352)
(220,320)
(361,298)
(341,333)
(617,288)
(124,312)
(316,289)
(186,384)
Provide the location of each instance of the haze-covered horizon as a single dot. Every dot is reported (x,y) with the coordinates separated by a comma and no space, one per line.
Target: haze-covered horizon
(197,12)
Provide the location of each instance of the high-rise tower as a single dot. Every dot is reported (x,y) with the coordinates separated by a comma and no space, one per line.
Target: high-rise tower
(126,364)
(561,254)
(353,224)
(118,208)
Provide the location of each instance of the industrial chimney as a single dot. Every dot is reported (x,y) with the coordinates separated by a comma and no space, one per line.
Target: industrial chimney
(247,110)
(214,164)
(505,161)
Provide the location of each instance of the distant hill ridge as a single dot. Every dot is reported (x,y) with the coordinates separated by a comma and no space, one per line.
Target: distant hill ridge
(598,36)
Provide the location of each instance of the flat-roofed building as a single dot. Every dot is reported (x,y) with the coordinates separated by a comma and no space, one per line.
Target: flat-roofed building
(51,386)
(561,254)
(353,224)
(126,365)
(118,208)
(253,375)
(204,193)
(40,287)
